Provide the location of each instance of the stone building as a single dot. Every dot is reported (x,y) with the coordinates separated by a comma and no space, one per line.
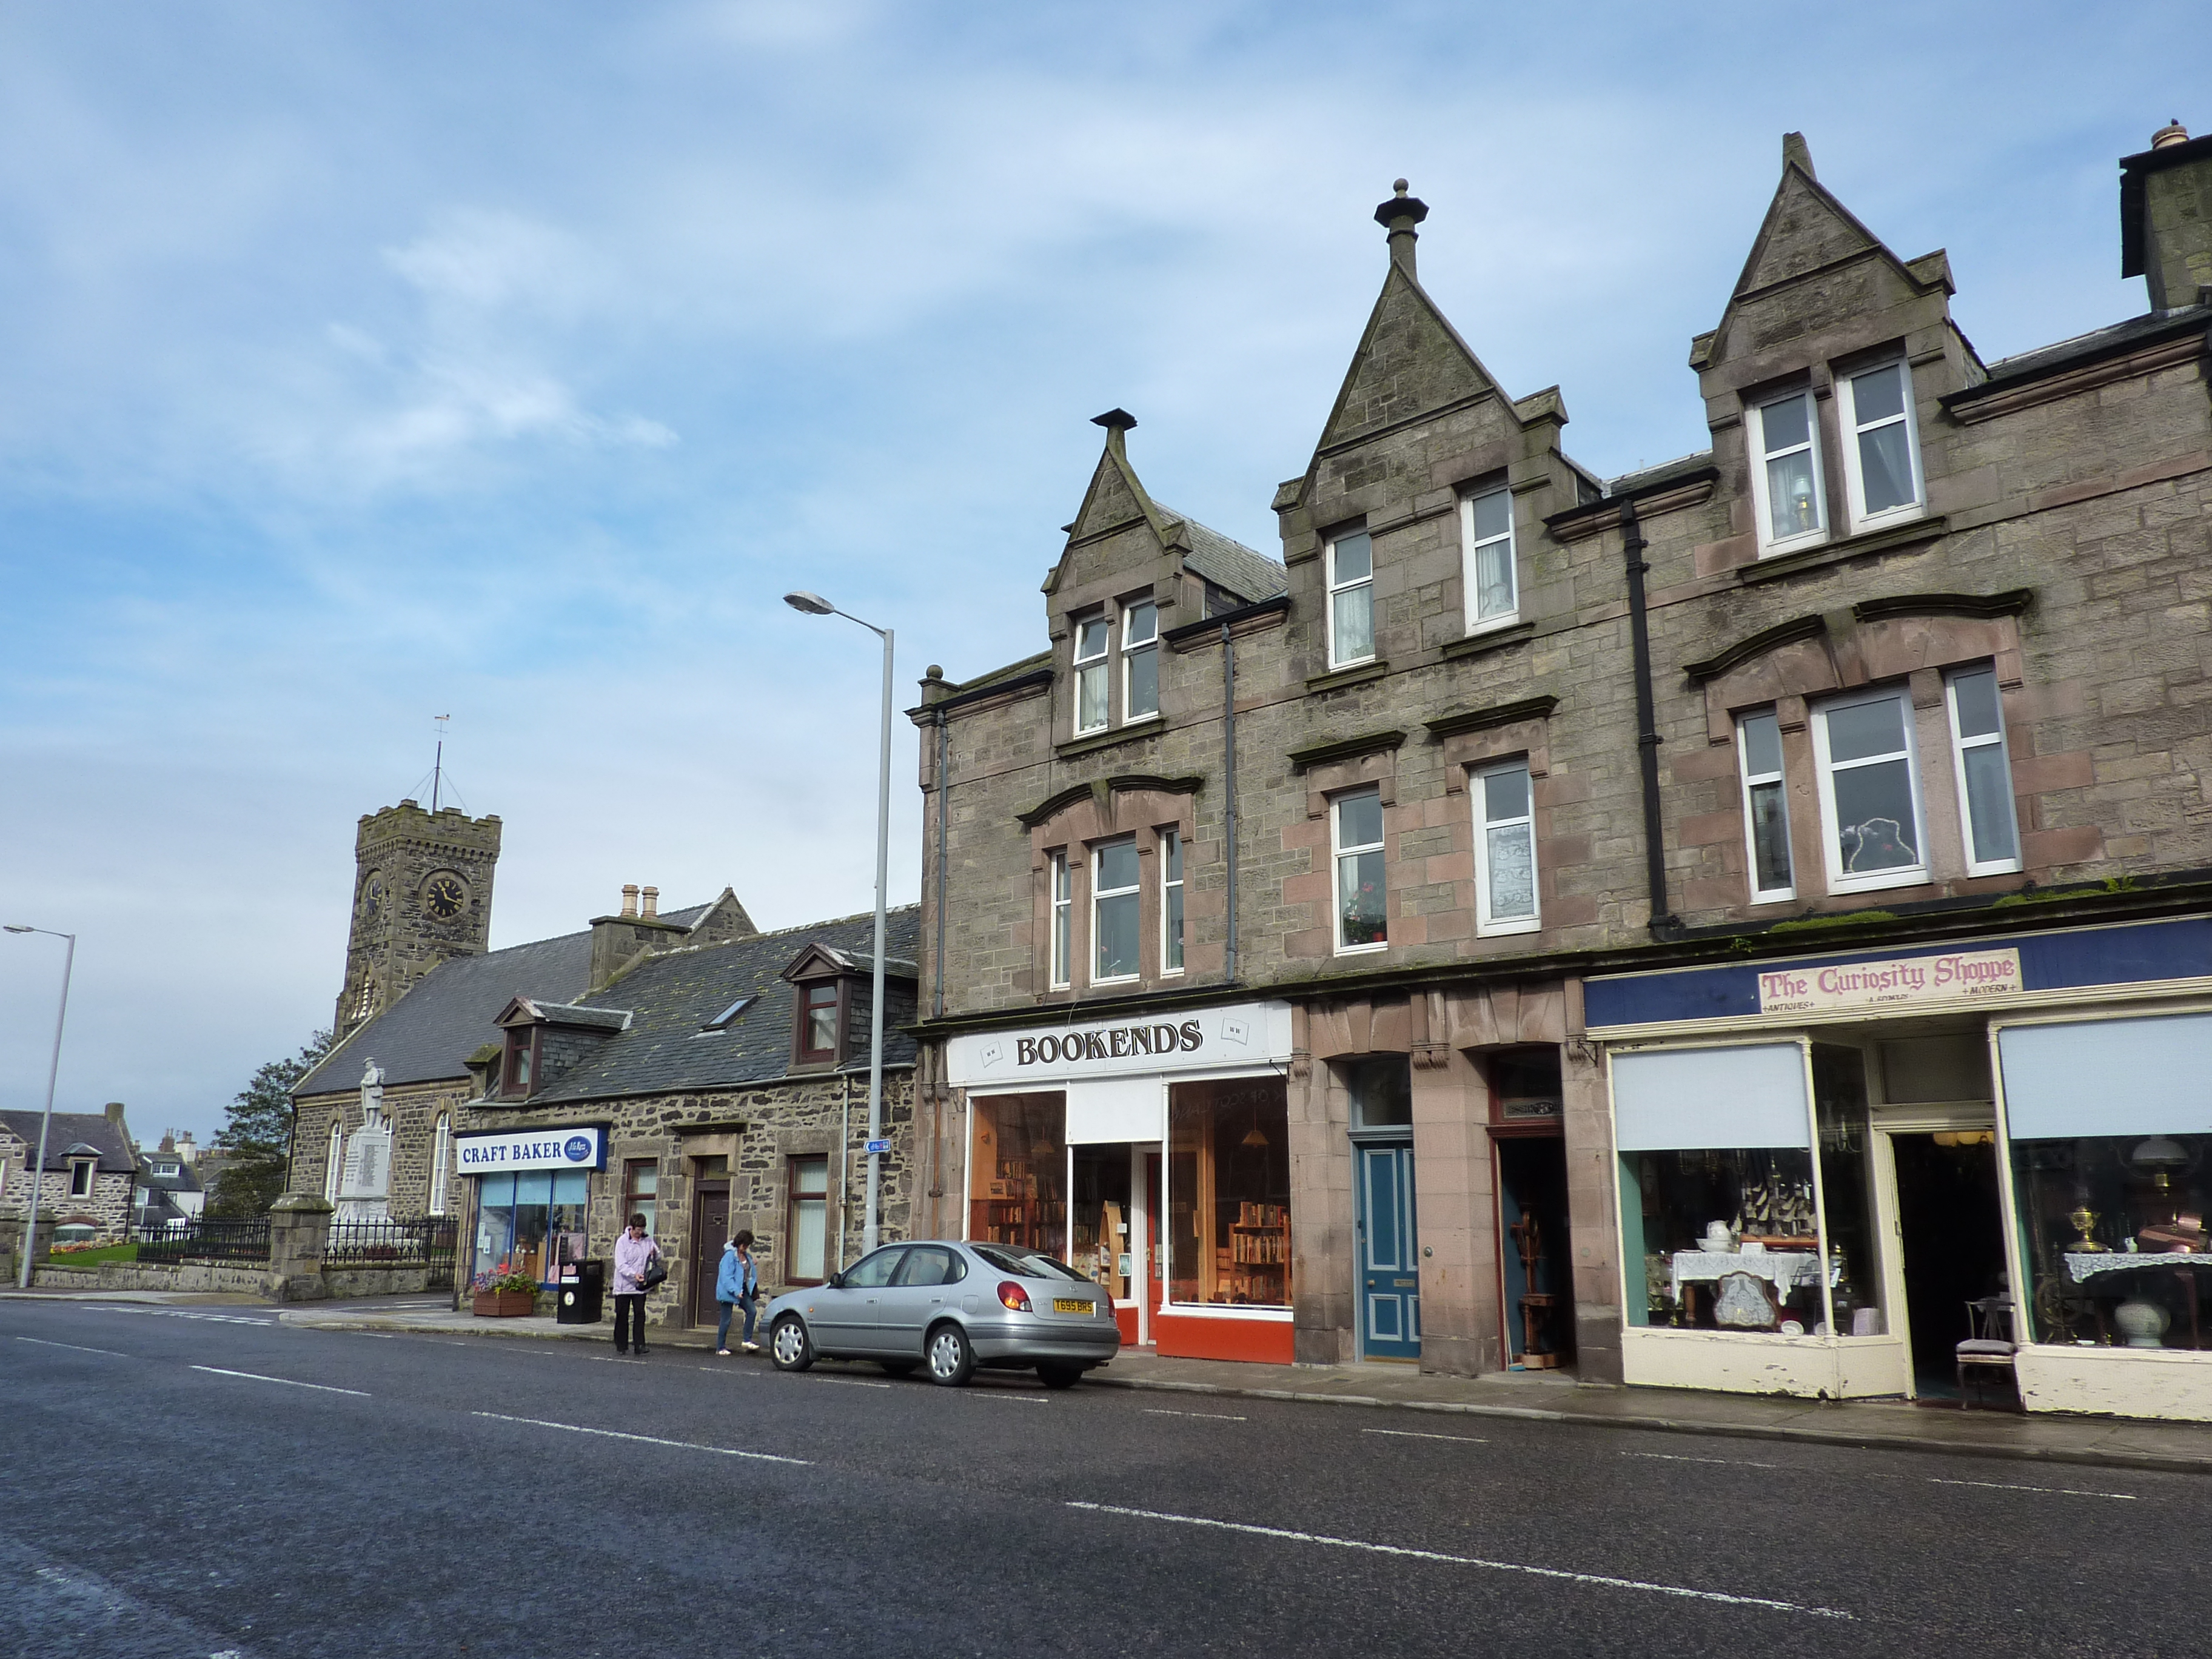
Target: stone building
(1758,856)
(88,1176)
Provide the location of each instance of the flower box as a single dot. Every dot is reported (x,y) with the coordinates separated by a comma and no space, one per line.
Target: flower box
(503,1305)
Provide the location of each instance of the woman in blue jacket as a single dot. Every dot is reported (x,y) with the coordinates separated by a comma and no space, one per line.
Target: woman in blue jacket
(737,1285)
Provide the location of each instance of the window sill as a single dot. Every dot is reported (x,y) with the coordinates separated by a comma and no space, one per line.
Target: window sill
(1844,887)
(1151,726)
(1856,547)
(1507,929)
(1362,950)
(1119,979)
(1339,679)
(1492,637)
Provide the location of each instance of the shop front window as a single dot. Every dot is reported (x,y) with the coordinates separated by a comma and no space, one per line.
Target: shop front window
(2111,1182)
(532,1222)
(1717,1210)
(1017,1175)
(1229,1192)
(1839,1101)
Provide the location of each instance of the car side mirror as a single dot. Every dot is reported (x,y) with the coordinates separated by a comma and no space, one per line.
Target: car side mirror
(834,1282)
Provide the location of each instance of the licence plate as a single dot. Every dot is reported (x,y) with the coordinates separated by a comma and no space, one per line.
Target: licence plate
(1074,1305)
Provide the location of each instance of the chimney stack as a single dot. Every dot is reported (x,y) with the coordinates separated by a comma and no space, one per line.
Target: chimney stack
(1399,215)
(629,898)
(115,1113)
(2169,135)
(2165,218)
(652,898)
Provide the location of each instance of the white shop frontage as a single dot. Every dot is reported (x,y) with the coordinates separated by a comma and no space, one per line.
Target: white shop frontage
(530,1194)
(1151,1150)
(1833,1169)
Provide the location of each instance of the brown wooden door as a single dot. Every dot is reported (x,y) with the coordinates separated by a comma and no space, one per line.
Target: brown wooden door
(710,1230)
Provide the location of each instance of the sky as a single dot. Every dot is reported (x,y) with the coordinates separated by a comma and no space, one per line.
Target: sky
(361,363)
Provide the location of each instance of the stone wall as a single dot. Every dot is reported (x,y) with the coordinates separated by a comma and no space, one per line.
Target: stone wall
(412,1110)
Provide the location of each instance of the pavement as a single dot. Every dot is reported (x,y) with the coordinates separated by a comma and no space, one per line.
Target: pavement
(1534,1396)
(234,1482)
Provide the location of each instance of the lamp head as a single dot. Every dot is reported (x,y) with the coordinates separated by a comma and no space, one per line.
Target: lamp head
(812,604)
(17,928)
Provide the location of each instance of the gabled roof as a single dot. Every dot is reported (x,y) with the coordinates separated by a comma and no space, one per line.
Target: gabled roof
(92,1130)
(526,1011)
(670,998)
(1116,499)
(1230,565)
(1410,361)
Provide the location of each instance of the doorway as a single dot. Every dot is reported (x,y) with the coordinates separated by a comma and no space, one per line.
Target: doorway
(1537,1299)
(1952,1232)
(1112,1227)
(1389,1259)
(710,1230)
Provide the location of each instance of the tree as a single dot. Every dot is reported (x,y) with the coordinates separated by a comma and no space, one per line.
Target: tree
(256,1137)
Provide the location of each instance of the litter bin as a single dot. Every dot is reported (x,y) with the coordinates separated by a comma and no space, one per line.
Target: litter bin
(582,1294)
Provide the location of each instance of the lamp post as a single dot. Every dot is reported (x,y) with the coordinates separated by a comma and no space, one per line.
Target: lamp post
(45,1123)
(815,605)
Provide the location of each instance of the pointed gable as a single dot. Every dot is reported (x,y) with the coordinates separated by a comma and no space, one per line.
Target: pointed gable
(1806,229)
(1410,362)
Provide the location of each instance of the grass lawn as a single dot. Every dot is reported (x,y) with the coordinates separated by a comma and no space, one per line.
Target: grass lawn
(94,1258)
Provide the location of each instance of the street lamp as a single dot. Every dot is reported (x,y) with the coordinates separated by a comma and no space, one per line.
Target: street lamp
(815,605)
(39,1169)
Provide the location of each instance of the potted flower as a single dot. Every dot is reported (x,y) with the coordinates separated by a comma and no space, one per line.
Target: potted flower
(501,1294)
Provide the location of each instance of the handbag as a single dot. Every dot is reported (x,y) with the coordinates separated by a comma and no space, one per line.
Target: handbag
(656,1273)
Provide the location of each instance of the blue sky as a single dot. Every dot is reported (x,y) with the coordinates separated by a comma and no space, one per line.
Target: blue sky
(366,362)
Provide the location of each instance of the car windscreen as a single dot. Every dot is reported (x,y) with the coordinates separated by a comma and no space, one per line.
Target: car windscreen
(1025,1264)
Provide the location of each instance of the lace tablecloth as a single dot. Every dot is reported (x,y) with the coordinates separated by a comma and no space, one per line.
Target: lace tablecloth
(2087,1265)
(1787,1268)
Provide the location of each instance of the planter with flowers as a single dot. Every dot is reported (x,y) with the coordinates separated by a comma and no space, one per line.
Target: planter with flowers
(503,1294)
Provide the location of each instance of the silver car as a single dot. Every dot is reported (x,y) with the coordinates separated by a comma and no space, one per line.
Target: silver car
(953,1307)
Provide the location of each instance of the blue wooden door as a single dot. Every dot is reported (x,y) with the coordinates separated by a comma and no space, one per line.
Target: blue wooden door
(1389,1257)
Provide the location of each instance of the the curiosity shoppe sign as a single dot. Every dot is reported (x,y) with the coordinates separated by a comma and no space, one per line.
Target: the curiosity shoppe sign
(1959,976)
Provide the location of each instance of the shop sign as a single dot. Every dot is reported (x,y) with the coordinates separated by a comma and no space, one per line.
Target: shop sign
(1230,1036)
(1960,977)
(582,1148)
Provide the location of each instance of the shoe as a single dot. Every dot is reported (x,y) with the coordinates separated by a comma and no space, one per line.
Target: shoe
(721,1353)
(641,1351)
(749,1348)
(621,1353)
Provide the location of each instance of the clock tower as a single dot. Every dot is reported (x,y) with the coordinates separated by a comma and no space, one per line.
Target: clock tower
(421,893)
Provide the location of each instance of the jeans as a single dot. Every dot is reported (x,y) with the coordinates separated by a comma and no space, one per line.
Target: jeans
(750,1304)
(629,1316)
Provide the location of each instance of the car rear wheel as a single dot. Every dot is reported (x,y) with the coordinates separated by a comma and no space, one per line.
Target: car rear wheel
(951,1360)
(899,1367)
(1059,1376)
(788,1345)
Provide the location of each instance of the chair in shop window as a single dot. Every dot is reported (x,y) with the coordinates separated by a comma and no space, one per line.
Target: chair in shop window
(1991,1346)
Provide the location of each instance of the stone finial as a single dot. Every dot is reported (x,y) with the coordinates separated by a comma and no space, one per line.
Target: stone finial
(2171,133)
(629,898)
(1796,154)
(651,897)
(1399,215)
(1117,422)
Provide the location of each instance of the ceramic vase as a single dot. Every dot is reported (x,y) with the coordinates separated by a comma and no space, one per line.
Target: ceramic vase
(2142,1323)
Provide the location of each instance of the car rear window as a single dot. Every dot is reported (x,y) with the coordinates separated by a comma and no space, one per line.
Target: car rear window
(1025,1264)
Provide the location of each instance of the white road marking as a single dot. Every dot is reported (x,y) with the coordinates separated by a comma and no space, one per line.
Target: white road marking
(1415,1434)
(646,1439)
(1598,1579)
(842,1382)
(2001,1485)
(1018,1399)
(256,1377)
(178,1313)
(747,1370)
(1732,1462)
(1218,1417)
(75,1347)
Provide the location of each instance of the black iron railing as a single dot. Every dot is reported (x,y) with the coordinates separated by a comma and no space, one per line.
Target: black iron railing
(426,1242)
(208,1239)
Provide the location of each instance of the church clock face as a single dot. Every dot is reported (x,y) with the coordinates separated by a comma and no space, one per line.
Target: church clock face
(372,898)
(444,896)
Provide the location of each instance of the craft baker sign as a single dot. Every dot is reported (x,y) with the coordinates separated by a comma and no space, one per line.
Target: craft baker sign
(1960,977)
(577,1147)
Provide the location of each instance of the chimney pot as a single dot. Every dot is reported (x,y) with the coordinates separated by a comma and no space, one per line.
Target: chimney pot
(2171,133)
(629,898)
(652,898)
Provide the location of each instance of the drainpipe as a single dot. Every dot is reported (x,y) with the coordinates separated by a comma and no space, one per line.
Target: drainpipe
(1663,922)
(1229,785)
(944,814)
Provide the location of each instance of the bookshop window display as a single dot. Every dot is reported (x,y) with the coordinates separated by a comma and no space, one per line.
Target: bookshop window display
(2110,1185)
(1720,1203)
(1017,1178)
(1229,1192)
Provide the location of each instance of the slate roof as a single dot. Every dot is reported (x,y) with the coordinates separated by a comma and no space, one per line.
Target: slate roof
(670,996)
(2085,348)
(1229,564)
(447,1014)
(70,1129)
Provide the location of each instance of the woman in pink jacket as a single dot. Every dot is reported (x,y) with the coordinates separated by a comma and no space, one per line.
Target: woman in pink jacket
(634,1253)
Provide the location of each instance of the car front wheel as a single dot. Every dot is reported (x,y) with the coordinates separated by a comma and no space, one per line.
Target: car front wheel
(951,1360)
(788,1345)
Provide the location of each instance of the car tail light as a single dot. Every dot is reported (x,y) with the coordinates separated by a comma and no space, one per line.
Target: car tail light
(1011,1295)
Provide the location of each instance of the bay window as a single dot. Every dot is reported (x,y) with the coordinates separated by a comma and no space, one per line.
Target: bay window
(1018,1172)
(1870,791)
(1114,907)
(1090,686)
(1493,593)
(1170,901)
(1765,807)
(1984,773)
(1362,902)
(1881,452)
(1786,473)
(1504,850)
(1229,1192)
(1350,574)
(1141,660)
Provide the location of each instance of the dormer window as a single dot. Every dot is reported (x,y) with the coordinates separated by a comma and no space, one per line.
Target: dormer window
(819,1008)
(83,1171)
(1881,456)
(519,1065)
(1786,481)
(1494,592)
(1351,580)
(1141,660)
(1090,686)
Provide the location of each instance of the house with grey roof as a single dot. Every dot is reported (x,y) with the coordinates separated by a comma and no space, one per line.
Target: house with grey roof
(86,1180)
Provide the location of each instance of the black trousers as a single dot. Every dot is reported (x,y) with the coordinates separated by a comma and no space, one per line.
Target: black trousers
(629,1323)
